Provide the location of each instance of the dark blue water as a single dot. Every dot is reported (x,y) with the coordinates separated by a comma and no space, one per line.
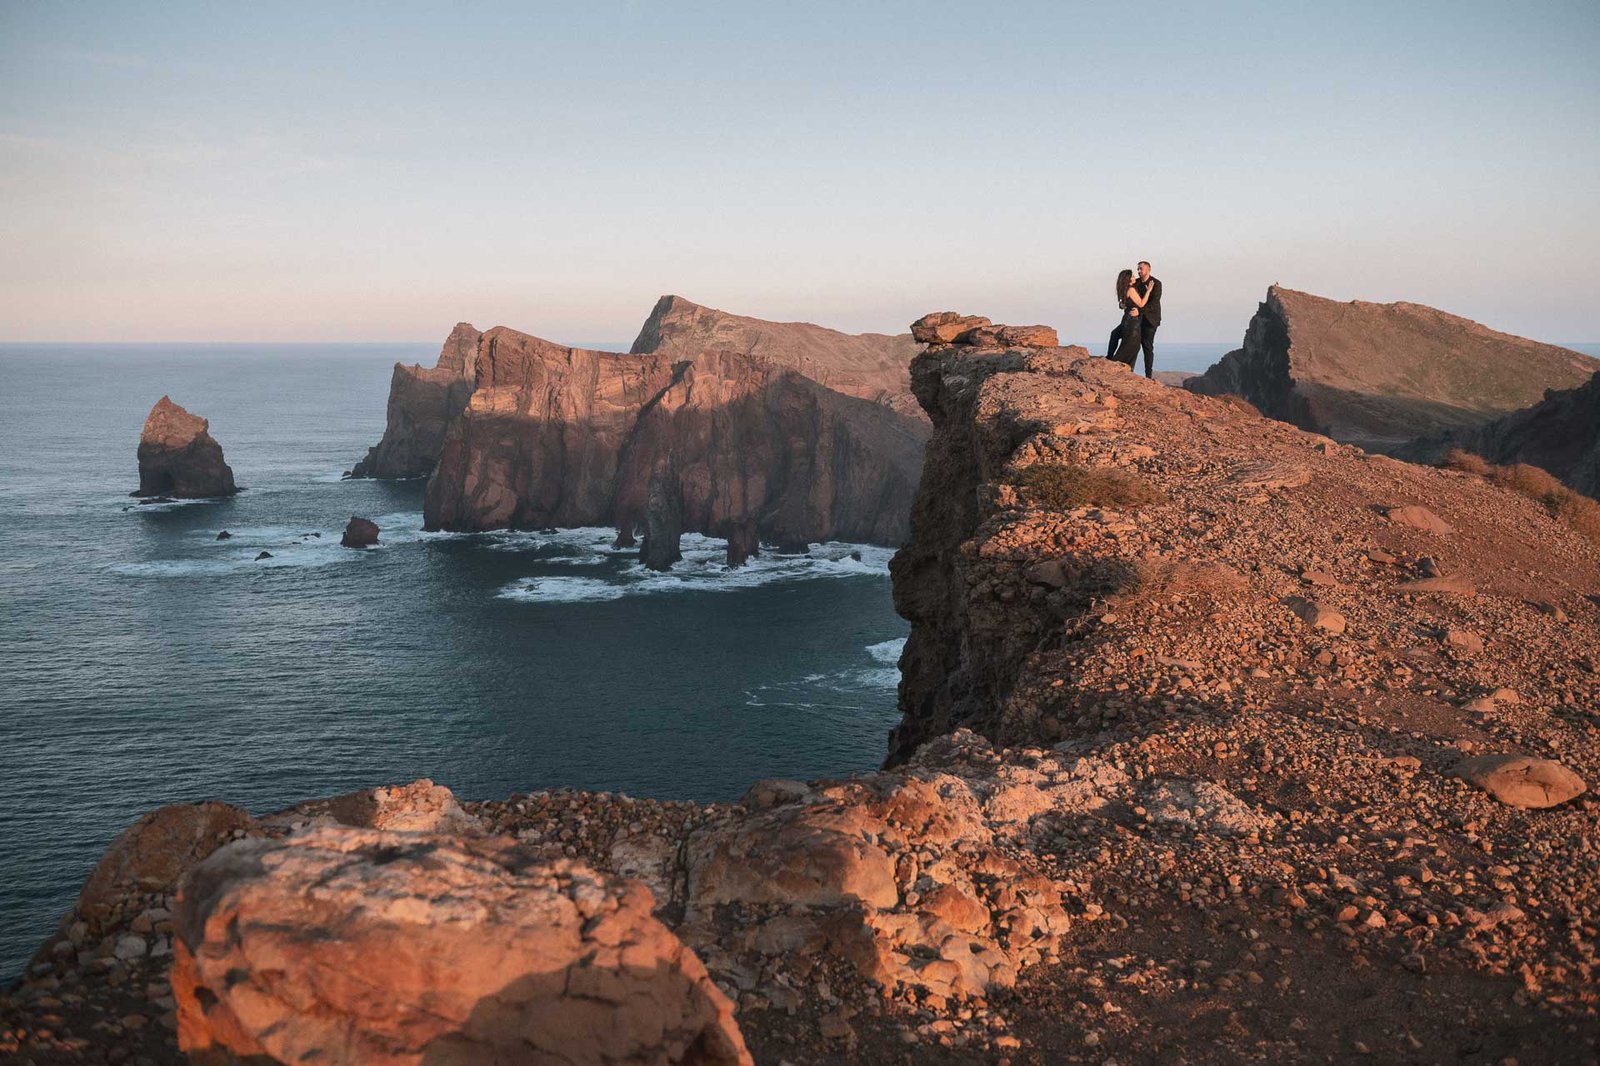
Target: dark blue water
(144,662)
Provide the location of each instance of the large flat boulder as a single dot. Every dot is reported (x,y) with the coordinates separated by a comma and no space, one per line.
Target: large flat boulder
(351,945)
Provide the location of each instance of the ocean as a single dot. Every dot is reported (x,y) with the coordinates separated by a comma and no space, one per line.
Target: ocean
(144,662)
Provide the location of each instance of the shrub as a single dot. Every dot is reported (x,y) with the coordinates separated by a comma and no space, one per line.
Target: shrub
(1466,462)
(1571,508)
(1063,487)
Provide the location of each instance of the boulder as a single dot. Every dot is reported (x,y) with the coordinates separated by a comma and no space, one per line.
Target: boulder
(1418,517)
(359,533)
(943,327)
(355,945)
(178,458)
(1521,780)
(153,853)
(1029,337)
(420,807)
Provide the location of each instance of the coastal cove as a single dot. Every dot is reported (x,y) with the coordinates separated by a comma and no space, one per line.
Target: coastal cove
(145,662)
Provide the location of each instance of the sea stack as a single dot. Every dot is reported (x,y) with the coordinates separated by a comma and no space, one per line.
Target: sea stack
(359,533)
(1381,375)
(178,458)
(663,516)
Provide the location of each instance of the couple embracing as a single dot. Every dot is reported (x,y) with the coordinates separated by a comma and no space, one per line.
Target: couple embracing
(1140,299)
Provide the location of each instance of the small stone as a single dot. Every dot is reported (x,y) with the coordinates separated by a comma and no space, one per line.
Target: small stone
(1315,615)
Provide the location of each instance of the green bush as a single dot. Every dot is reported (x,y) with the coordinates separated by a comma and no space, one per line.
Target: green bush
(1061,488)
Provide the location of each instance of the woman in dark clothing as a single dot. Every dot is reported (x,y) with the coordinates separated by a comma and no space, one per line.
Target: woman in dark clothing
(1124,344)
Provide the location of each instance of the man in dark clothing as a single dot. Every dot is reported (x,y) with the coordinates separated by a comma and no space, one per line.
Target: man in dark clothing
(1149,319)
(1150,288)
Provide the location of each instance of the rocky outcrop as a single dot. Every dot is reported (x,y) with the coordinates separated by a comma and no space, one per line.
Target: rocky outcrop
(178,458)
(951,327)
(410,950)
(149,857)
(663,519)
(422,401)
(359,533)
(558,436)
(1380,375)
(1559,434)
(870,366)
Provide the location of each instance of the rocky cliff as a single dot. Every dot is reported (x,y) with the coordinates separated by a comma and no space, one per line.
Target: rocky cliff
(1560,434)
(1221,741)
(871,366)
(1379,375)
(179,458)
(558,436)
(422,401)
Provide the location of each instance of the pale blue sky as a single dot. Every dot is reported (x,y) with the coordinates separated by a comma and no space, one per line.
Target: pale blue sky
(379,171)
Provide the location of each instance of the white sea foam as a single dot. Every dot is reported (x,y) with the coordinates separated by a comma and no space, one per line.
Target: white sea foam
(563,590)
(888,651)
(703,569)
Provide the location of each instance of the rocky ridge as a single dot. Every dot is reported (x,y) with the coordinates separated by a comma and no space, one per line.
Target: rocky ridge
(1191,769)
(178,457)
(1380,375)
(1559,434)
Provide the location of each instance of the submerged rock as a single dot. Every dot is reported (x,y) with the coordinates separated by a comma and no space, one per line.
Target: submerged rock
(178,459)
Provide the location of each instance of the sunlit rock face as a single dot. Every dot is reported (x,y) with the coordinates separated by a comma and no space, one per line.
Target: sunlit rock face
(1379,375)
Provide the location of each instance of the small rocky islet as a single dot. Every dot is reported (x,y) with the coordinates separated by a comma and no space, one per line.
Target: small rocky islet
(1221,741)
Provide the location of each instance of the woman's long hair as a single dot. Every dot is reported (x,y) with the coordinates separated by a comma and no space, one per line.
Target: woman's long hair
(1124,279)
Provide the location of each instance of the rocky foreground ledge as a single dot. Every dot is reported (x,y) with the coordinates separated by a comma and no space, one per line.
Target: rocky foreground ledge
(1222,742)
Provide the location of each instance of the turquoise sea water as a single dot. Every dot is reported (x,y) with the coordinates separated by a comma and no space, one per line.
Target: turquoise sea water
(143,662)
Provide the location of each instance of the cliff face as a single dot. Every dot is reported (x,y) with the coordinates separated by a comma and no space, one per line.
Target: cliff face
(422,401)
(178,457)
(1382,374)
(568,437)
(1064,501)
(1560,433)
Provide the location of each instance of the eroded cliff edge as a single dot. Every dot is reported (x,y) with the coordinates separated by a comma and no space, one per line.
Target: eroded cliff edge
(1379,375)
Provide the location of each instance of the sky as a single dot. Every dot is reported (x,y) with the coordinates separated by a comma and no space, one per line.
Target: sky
(378,172)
